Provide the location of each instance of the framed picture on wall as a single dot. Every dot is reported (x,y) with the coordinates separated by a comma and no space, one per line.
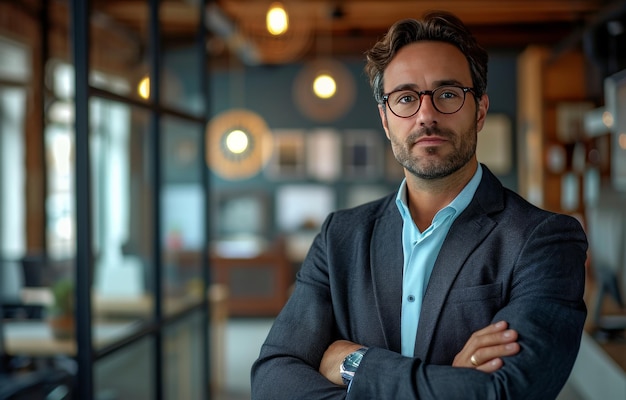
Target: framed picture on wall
(363,154)
(288,155)
(240,213)
(303,206)
(323,156)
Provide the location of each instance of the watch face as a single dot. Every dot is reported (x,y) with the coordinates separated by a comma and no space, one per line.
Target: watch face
(353,360)
(350,365)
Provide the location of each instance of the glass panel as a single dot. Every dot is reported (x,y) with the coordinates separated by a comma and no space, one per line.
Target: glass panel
(12,176)
(183,360)
(180,75)
(118,56)
(126,374)
(60,200)
(121,188)
(15,71)
(183,204)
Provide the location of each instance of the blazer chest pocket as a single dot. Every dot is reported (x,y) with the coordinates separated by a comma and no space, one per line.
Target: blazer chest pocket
(492,291)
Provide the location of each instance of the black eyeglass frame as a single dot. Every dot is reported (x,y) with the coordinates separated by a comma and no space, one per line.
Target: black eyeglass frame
(430,93)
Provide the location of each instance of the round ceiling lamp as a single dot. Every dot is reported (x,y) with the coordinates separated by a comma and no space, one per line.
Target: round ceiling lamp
(288,38)
(238,143)
(277,20)
(324,86)
(324,90)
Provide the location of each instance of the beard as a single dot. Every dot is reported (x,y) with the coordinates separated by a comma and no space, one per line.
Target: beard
(433,167)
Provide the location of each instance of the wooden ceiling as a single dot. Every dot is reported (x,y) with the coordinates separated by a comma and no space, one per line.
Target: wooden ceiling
(346,28)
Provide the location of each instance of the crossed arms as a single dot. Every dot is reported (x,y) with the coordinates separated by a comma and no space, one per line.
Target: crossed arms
(541,301)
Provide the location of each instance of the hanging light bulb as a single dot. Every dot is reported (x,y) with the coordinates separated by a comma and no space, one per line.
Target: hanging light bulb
(144,88)
(277,20)
(237,141)
(324,86)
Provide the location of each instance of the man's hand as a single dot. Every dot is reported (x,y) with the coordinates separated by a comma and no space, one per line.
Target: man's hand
(485,347)
(333,358)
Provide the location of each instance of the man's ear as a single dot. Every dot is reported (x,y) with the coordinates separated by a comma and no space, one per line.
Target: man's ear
(383,119)
(483,106)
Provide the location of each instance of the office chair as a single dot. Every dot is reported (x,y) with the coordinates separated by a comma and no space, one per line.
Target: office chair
(49,383)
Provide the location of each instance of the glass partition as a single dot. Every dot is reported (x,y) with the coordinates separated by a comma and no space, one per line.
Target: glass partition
(118,54)
(182,65)
(12,175)
(181,359)
(126,374)
(183,212)
(122,203)
(93,169)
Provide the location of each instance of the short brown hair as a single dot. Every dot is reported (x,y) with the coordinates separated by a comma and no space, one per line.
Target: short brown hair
(434,26)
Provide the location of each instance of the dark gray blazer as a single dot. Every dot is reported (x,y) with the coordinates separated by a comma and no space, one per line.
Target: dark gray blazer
(503,259)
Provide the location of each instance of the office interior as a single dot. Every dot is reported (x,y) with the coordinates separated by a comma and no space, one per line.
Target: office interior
(165,164)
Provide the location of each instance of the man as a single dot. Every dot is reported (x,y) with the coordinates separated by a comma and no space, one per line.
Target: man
(452,288)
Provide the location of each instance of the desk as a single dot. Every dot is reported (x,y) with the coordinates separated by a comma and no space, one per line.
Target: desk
(35,338)
(140,306)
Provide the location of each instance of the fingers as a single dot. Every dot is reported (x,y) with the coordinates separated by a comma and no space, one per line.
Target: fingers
(484,349)
(491,366)
(487,359)
(492,337)
(493,328)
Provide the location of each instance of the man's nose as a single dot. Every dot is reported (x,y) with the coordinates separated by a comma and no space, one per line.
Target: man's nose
(427,113)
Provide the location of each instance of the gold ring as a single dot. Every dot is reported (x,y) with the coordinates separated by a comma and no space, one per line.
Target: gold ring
(473,361)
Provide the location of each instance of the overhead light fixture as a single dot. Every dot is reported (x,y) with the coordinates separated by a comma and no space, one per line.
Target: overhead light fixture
(143,88)
(277,20)
(238,144)
(324,86)
(237,141)
(324,90)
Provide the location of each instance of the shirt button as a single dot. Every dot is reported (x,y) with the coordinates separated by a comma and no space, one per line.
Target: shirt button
(411,298)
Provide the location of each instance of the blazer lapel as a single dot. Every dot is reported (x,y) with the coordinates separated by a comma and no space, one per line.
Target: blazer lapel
(386,267)
(469,229)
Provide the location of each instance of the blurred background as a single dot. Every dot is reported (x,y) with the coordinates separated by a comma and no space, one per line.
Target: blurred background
(165,165)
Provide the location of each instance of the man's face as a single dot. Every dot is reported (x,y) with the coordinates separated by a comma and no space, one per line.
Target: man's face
(430,144)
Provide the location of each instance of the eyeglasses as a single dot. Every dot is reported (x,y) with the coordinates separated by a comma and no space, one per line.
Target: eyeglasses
(405,103)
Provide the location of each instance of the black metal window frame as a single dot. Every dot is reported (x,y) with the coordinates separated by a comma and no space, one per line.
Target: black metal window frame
(86,356)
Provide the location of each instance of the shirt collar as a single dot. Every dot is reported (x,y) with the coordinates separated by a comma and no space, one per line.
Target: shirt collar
(458,204)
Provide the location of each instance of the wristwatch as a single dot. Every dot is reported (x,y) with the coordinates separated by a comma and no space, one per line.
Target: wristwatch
(350,364)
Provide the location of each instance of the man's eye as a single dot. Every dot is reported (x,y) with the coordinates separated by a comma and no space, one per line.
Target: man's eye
(406,98)
(449,93)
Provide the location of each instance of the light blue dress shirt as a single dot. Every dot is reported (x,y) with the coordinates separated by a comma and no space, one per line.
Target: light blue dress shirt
(420,252)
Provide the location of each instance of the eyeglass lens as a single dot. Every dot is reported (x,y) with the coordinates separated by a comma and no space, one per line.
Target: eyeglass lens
(445,99)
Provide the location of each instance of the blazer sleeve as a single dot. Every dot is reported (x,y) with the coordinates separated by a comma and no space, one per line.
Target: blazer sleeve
(546,307)
(288,365)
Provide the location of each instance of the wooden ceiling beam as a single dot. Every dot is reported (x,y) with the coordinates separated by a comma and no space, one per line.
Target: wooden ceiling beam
(496,23)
